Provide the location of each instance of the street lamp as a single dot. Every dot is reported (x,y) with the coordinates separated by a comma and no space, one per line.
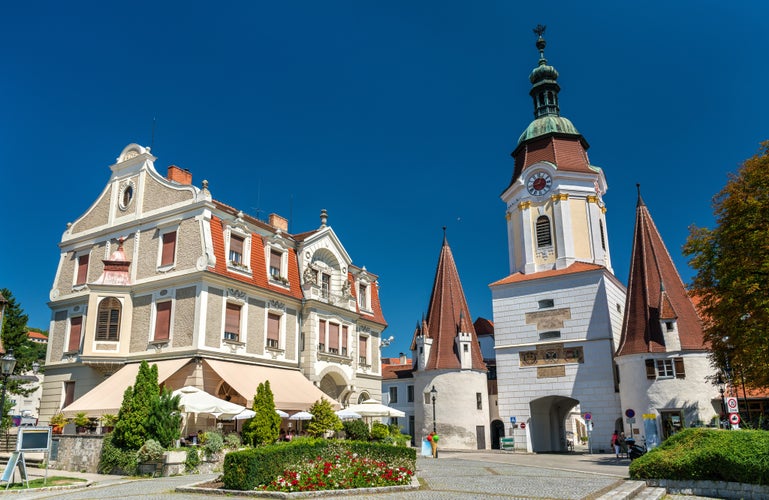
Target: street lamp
(7,364)
(721,390)
(433,392)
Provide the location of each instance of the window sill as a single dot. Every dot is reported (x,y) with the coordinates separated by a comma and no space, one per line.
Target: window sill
(239,269)
(159,342)
(166,268)
(233,342)
(280,282)
(71,353)
(275,350)
(334,358)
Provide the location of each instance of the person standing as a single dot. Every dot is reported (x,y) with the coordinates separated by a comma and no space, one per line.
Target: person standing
(615,443)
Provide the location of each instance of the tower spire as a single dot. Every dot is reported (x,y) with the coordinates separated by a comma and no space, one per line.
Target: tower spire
(544,84)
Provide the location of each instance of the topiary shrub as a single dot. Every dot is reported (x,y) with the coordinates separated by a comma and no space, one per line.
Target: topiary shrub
(151,451)
(192,461)
(232,441)
(356,430)
(708,454)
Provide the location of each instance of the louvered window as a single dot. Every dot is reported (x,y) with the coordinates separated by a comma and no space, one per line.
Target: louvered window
(603,237)
(169,249)
(273,330)
(544,236)
(344,341)
(108,320)
(232,322)
(163,320)
(75,330)
(333,338)
(82,270)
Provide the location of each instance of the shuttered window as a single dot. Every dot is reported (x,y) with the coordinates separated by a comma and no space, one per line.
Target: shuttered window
(362,350)
(232,322)
(69,393)
(333,338)
(344,341)
(169,249)
(544,236)
(275,258)
(108,320)
(163,320)
(679,367)
(82,269)
(321,334)
(651,369)
(236,249)
(363,297)
(75,331)
(273,330)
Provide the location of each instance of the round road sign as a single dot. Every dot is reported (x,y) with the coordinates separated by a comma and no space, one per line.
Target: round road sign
(588,416)
(523,425)
(734,418)
(630,413)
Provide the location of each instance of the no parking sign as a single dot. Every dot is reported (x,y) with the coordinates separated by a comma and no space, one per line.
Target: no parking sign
(734,418)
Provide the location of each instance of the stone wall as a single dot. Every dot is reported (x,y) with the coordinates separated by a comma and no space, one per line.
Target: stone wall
(78,453)
(717,489)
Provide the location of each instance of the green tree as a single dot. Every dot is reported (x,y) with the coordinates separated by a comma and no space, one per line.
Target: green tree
(732,280)
(264,428)
(132,428)
(323,419)
(165,420)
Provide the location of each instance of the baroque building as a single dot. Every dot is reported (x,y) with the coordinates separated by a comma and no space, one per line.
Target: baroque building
(558,314)
(158,270)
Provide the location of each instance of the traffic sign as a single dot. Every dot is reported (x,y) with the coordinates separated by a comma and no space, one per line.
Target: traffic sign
(523,425)
(588,416)
(731,405)
(734,418)
(630,413)
(512,420)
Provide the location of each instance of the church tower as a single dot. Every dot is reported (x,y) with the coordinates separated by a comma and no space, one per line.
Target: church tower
(558,314)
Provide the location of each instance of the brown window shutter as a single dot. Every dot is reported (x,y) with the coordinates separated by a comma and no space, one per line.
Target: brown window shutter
(651,369)
(232,320)
(333,336)
(275,258)
(169,249)
(273,327)
(362,346)
(344,337)
(69,393)
(236,244)
(75,330)
(678,363)
(163,320)
(108,320)
(82,269)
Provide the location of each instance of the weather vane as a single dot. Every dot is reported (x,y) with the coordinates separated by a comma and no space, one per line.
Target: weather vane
(540,30)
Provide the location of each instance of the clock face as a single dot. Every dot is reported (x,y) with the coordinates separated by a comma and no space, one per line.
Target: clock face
(539,183)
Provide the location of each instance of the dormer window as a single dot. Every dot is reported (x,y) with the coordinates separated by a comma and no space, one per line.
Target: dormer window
(236,250)
(363,296)
(275,263)
(325,285)
(669,326)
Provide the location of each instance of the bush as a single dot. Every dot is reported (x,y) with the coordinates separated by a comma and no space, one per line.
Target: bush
(379,431)
(232,441)
(113,460)
(708,454)
(151,451)
(193,460)
(356,430)
(247,469)
(213,442)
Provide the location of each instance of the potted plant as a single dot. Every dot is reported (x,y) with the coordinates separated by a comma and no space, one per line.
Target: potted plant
(108,421)
(150,457)
(58,422)
(81,422)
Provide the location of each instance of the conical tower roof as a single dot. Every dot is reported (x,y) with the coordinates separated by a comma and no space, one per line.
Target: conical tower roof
(655,293)
(447,315)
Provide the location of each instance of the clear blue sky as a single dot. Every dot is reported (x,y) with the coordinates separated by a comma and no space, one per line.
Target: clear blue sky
(397,117)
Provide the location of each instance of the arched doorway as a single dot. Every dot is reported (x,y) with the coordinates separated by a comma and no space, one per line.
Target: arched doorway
(497,433)
(548,423)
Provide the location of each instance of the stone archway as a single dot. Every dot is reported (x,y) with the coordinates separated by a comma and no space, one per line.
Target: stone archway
(333,383)
(547,427)
(497,433)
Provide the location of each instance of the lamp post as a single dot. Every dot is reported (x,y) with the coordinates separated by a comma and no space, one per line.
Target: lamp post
(7,364)
(433,392)
(721,390)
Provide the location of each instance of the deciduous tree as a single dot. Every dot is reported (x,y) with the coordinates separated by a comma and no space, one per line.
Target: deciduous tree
(732,280)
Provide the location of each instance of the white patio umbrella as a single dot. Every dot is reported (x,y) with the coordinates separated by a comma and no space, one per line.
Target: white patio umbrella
(248,413)
(348,414)
(194,400)
(302,415)
(373,408)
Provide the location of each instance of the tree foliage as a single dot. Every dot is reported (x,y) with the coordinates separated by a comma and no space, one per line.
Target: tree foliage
(14,336)
(165,420)
(732,280)
(323,419)
(132,428)
(264,428)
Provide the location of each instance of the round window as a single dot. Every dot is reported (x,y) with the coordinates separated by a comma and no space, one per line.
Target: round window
(126,196)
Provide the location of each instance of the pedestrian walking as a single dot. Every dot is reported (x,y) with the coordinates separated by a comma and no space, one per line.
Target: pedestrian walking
(615,443)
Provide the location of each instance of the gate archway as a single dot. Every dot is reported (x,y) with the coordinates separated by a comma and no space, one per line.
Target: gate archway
(547,426)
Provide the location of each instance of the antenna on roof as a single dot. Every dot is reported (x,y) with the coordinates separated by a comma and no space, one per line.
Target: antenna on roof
(152,138)
(257,208)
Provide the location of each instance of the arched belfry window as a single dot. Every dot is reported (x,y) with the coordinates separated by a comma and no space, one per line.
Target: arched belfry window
(544,235)
(603,237)
(108,320)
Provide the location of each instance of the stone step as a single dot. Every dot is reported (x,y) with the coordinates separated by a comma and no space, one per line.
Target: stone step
(651,493)
(626,489)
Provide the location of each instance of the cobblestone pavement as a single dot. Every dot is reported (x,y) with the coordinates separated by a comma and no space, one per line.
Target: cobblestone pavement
(454,475)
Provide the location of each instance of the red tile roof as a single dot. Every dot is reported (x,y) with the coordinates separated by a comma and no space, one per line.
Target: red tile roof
(577,267)
(393,369)
(376,306)
(484,326)
(446,312)
(655,293)
(567,153)
(37,335)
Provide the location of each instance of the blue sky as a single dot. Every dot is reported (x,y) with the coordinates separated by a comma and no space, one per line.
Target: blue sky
(397,117)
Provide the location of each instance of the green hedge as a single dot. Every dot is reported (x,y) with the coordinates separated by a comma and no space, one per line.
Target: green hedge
(708,454)
(247,469)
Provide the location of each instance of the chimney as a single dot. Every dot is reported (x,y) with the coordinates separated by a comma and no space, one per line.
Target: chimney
(403,359)
(179,175)
(279,222)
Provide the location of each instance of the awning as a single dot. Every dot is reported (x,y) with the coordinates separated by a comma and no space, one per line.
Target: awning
(107,397)
(291,389)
